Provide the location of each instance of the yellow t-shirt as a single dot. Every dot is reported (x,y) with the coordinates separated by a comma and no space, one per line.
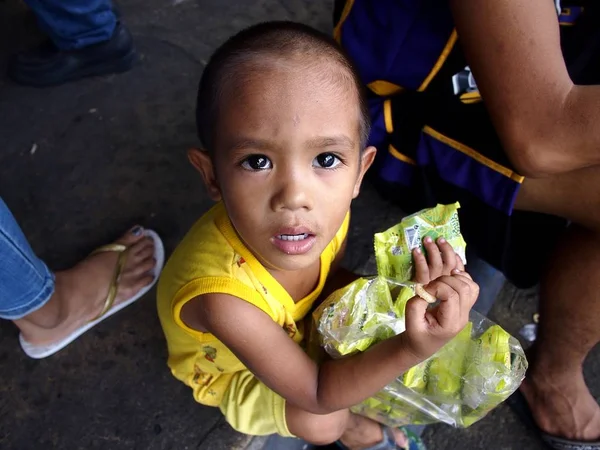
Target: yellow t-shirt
(212,259)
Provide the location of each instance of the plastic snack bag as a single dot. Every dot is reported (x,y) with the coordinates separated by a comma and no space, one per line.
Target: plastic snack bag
(364,311)
(393,247)
(472,374)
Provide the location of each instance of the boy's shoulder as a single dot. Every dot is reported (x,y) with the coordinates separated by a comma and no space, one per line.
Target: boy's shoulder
(204,251)
(205,230)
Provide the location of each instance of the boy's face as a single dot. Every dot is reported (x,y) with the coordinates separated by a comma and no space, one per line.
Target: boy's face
(287,160)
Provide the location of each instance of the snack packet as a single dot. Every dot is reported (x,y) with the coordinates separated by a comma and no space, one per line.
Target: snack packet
(354,318)
(393,247)
(488,366)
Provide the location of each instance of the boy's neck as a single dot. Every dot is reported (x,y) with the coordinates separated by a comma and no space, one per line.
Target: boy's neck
(299,283)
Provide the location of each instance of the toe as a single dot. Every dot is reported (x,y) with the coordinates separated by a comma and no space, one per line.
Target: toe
(128,290)
(142,250)
(138,268)
(401,439)
(145,266)
(133,236)
(142,282)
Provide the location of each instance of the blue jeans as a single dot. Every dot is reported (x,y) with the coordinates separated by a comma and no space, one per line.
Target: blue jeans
(73,24)
(26,283)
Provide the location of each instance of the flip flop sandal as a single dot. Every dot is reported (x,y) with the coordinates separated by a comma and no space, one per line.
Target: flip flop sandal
(389,443)
(519,405)
(42,351)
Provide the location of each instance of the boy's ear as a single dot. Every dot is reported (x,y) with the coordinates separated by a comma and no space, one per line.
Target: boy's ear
(366,160)
(201,160)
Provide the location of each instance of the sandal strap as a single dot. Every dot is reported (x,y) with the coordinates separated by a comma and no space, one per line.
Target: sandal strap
(388,437)
(388,442)
(112,290)
(119,248)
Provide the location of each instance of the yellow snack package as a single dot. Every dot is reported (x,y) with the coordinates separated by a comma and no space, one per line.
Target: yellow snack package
(404,295)
(446,368)
(415,378)
(393,247)
(489,372)
(357,316)
(392,409)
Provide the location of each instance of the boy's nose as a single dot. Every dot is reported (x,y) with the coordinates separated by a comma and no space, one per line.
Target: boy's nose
(292,194)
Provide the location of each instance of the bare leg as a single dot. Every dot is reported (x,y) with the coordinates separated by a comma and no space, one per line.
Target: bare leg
(80,292)
(363,432)
(354,431)
(570,307)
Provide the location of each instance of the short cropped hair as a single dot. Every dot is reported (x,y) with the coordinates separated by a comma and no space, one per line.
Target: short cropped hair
(279,39)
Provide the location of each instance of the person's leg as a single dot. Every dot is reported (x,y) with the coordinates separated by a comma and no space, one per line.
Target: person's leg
(87,40)
(47,307)
(570,306)
(74,24)
(355,432)
(26,284)
(250,407)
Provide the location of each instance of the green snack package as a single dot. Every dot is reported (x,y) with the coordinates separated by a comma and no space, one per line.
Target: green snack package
(387,408)
(406,293)
(489,373)
(446,368)
(415,378)
(393,247)
(357,316)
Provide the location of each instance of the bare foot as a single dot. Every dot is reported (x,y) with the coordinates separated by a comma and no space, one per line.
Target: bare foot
(80,292)
(563,408)
(364,433)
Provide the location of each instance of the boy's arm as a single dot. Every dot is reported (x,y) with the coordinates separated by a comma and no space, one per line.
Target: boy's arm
(268,352)
(283,366)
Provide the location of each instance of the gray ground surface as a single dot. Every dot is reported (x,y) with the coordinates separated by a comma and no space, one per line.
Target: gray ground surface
(110,153)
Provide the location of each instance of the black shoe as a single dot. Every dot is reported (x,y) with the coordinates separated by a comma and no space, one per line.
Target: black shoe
(47,65)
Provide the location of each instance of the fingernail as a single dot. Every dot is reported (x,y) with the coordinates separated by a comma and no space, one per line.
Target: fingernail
(428,240)
(441,240)
(456,271)
(418,250)
(137,230)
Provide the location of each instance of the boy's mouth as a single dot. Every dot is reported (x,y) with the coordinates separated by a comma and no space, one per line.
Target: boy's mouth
(294,241)
(292,237)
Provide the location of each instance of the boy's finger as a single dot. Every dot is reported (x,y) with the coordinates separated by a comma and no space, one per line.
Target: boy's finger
(474,287)
(415,311)
(462,273)
(465,287)
(434,258)
(448,254)
(459,263)
(448,311)
(441,289)
(421,268)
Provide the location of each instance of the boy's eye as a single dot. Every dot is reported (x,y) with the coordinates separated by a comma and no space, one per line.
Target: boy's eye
(326,161)
(256,162)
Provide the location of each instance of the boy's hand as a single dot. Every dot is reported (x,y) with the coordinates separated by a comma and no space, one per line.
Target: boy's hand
(441,260)
(429,329)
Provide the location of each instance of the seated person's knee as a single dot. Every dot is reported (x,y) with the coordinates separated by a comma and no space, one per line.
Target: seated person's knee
(320,429)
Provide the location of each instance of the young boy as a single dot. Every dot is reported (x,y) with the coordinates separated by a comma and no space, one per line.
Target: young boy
(283,124)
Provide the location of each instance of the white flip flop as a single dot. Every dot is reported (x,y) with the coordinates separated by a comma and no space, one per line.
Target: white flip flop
(42,351)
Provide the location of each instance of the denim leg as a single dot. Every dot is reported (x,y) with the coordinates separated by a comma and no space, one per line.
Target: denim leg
(26,283)
(73,24)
